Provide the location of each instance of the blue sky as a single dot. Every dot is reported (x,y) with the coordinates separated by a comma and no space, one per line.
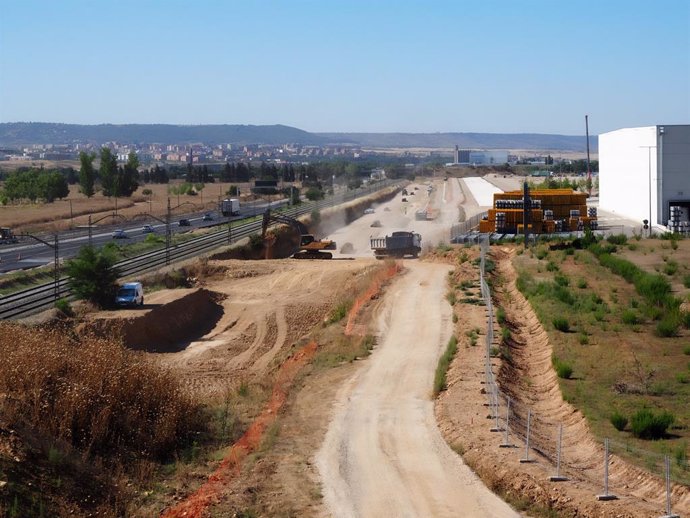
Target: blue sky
(531,66)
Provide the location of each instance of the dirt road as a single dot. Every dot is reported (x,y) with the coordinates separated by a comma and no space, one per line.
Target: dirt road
(383,454)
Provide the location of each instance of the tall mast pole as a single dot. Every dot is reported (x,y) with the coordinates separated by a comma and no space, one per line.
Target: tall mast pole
(589,170)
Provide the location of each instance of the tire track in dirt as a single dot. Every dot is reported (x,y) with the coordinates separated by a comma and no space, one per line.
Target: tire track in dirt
(582,452)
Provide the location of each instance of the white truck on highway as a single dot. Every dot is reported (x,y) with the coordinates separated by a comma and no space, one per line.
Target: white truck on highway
(230,207)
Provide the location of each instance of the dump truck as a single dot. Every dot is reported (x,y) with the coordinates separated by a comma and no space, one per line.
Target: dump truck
(7,237)
(230,207)
(398,244)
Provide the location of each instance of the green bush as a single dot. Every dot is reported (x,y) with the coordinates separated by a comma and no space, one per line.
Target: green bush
(686,350)
(582,284)
(630,317)
(667,326)
(686,281)
(670,268)
(501,315)
(551,266)
(505,334)
(561,324)
(93,275)
(619,421)
(645,424)
(440,382)
(563,369)
(617,239)
(63,306)
(561,280)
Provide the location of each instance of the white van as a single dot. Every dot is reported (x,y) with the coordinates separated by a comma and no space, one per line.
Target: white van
(130,294)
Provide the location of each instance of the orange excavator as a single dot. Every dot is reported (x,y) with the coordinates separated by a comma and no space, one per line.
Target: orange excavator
(309,247)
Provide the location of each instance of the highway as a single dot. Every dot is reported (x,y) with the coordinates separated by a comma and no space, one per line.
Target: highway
(30,253)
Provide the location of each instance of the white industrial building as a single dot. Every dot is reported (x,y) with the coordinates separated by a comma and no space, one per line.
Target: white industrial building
(644,173)
(485,157)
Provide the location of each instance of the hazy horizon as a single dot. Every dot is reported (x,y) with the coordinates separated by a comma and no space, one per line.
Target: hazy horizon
(349,66)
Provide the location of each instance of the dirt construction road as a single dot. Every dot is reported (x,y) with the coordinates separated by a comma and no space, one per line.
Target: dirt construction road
(383,454)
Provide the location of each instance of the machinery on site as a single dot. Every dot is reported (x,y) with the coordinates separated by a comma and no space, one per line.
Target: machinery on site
(7,237)
(309,247)
(398,244)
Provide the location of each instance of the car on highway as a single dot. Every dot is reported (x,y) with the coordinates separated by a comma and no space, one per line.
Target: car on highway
(184,223)
(369,211)
(119,234)
(207,217)
(147,229)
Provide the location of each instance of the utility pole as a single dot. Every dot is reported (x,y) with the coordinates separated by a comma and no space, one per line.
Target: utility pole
(167,234)
(589,170)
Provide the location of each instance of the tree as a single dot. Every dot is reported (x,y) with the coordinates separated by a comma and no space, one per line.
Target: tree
(87,175)
(108,172)
(93,275)
(52,185)
(128,177)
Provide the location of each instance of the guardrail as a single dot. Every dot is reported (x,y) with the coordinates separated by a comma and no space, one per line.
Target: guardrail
(30,301)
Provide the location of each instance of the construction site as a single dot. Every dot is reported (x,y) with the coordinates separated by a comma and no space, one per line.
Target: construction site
(309,354)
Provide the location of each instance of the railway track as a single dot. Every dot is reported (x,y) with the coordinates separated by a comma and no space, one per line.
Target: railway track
(33,300)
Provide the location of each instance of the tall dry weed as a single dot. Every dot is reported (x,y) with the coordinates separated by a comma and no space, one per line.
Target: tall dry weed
(101,398)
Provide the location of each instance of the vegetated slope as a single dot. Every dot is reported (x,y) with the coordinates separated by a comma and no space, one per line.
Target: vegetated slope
(536,141)
(17,133)
(523,355)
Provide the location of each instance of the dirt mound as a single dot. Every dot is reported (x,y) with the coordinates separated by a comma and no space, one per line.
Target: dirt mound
(166,327)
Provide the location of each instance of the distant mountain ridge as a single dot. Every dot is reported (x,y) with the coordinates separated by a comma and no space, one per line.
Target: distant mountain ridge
(533,141)
(18,133)
(24,133)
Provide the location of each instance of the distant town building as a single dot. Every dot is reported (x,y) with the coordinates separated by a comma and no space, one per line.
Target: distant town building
(486,157)
(644,173)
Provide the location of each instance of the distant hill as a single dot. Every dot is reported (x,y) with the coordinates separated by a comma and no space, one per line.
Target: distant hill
(534,141)
(18,133)
(14,134)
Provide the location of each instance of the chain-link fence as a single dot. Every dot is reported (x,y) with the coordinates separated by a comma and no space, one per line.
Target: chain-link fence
(539,438)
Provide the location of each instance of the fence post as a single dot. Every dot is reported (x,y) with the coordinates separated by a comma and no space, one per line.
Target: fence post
(557,477)
(606,495)
(506,444)
(667,465)
(529,419)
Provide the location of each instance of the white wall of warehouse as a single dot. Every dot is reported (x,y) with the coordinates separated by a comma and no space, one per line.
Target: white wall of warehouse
(624,173)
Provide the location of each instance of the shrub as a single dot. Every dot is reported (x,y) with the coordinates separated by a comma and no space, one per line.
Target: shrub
(686,281)
(551,266)
(93,275)
(440,382)
(501,315)
(619,421)
(452,297)
(563,369)
(561,324)
(582,284)
(645,424)
(561,280)
(505,334)
(686,350)
(63,306)
(542,253)
(630,317)
(667,326)
(617,239)
(670,268)
(583,339)
(339,311)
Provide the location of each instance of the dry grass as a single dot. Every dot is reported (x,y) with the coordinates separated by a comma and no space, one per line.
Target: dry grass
(92,394)
(56,216)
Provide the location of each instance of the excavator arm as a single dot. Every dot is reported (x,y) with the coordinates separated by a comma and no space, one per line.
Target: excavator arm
(309,247)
